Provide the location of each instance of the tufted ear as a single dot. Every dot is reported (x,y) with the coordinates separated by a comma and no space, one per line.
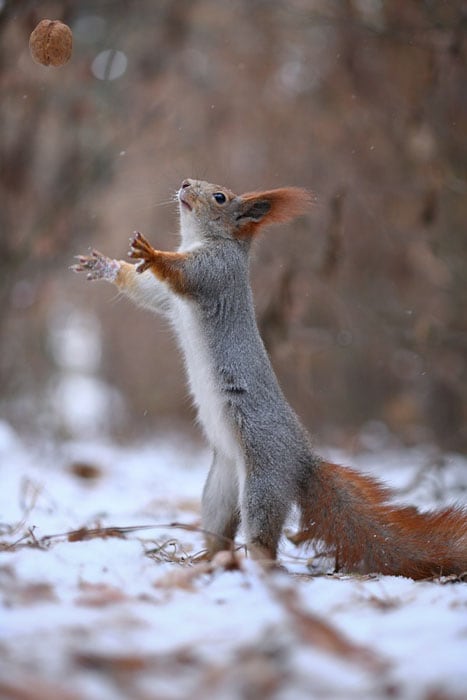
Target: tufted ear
(271,207)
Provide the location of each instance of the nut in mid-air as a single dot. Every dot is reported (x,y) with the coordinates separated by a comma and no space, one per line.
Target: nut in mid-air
(51,43)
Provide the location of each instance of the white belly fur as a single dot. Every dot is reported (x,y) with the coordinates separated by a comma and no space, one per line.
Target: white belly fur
(203,386)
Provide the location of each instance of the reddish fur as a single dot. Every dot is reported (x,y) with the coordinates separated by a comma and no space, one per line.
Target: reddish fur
(167,266)
(286,203)
(350,513)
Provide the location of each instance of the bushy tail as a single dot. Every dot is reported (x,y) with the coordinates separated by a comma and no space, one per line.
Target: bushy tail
(350,513)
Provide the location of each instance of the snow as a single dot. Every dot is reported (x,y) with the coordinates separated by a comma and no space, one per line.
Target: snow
(129,617)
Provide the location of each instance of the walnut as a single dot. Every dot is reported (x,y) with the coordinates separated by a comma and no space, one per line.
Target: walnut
(51,43)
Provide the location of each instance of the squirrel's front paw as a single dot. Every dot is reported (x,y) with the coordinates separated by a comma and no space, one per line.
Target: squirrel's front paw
(97,266)
(142,250)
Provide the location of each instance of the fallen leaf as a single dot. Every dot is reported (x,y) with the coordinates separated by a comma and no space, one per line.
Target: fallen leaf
(99,595)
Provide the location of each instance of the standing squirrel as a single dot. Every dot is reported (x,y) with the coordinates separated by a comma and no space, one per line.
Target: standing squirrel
(263,461)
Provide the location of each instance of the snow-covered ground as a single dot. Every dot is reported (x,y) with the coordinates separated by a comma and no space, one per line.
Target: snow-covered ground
(131,616)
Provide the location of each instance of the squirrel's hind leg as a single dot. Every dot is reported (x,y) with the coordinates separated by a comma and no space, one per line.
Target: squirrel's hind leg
(263,517)
(219,505)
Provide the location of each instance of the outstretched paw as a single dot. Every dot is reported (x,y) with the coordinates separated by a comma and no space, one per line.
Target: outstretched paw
(97,266)
(142,250)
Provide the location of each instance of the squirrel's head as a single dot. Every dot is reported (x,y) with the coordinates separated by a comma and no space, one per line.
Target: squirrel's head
(210,211)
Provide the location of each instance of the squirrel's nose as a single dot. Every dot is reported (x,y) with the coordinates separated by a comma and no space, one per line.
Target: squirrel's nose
(186,183)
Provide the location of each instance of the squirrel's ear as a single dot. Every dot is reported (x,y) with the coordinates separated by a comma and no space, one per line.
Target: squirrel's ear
(272,207)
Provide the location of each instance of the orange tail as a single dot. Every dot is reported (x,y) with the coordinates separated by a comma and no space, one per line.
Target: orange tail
(351,514)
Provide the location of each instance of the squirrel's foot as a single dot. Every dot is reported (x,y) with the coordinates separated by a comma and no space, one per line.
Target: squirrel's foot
(264,557)
(97,266)
(142,250)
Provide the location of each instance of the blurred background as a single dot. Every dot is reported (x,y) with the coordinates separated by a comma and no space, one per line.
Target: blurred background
(362,303)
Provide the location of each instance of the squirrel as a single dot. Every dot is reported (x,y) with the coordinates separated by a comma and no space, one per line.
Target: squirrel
(263,463)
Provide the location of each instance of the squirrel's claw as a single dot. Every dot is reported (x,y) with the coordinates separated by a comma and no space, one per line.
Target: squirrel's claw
(141,250)
(97,266)
(83,264)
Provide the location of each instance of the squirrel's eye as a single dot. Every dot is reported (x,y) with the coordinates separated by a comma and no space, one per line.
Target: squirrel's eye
(219,197)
